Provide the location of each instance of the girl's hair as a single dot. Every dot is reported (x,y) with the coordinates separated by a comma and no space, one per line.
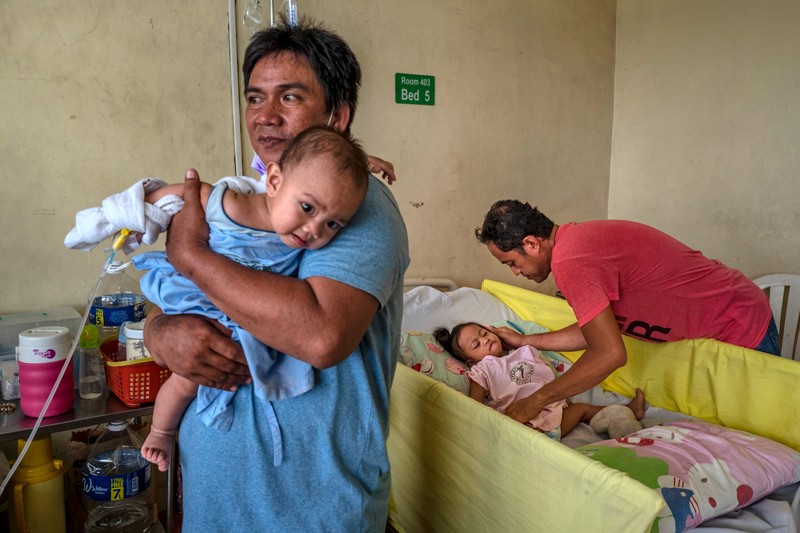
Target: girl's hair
(449,339)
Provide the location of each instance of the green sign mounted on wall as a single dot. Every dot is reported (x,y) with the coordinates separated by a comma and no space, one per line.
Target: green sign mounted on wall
(414,89)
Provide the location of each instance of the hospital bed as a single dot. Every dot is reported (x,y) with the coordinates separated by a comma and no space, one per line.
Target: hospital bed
(460,466)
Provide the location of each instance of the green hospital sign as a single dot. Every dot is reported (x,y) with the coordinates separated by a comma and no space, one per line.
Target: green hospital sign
(414,89)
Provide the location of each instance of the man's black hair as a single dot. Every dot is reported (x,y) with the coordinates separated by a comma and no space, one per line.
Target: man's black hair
(508,222)
(328,55)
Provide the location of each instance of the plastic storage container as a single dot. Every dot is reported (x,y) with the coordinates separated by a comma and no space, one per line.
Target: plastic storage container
(14,324)
(134,341)
(115,473)
(92,380)
(118,299)
(42,352)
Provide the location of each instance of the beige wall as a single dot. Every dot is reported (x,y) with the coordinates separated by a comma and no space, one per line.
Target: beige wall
(93,96)
(524,96)
(97,94)
(706,123)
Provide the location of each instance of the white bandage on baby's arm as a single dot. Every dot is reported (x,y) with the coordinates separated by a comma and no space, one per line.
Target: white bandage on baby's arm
(125,210)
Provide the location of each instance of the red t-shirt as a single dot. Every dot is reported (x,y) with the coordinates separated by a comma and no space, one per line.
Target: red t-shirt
(659,289)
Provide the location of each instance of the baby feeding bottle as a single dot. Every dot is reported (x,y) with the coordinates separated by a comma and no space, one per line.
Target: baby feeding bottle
(42,352)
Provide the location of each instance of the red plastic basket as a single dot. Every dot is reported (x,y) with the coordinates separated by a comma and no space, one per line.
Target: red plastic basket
(134,382)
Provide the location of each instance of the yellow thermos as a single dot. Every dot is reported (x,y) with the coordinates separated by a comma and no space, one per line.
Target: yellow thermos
(36,491)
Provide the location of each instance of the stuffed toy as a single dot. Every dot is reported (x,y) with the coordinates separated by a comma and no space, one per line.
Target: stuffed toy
(616,420)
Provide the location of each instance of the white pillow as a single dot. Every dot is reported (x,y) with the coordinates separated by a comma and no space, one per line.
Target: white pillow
(426,308)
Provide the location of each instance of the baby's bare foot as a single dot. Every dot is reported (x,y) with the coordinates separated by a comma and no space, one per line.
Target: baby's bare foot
(157,448)
(637,404)
(160,458)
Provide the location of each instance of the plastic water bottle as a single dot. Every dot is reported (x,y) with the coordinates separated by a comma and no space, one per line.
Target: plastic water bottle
(116,477)
(118,299)
(118,518)
(92,380)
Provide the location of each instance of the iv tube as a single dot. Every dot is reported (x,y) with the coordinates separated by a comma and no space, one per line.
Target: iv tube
(271,14)
(118,241)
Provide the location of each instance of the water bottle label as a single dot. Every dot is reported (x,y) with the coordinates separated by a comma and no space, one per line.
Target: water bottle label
(116,488)
(127,308)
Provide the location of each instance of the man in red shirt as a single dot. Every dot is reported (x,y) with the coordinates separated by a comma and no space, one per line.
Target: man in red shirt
(620,277)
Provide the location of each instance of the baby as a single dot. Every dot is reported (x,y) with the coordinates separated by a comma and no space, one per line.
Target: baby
(504,378)
(312,193)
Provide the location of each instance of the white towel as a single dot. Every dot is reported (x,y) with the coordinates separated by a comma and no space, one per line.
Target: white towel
(129,210)
(125,210)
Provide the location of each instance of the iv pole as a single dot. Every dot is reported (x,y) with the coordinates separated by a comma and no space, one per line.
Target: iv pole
(271,14)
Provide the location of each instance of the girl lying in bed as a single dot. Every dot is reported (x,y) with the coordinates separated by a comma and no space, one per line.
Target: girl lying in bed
(505,377)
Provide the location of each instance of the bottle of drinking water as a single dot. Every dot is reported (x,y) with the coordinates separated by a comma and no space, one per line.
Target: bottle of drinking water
(117,480)
(118,299)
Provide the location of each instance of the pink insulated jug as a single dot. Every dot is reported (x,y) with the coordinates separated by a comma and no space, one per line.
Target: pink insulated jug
(42,352)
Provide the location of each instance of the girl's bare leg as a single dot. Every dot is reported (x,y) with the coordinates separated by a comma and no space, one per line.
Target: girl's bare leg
(173,398)
(583,412)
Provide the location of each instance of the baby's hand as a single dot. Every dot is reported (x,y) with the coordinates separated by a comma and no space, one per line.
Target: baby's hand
(381,168)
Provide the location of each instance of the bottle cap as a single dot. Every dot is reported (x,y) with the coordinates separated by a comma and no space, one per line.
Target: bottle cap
(134,330)
(117,425)
(44,344)
(90,338)
(44,336)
